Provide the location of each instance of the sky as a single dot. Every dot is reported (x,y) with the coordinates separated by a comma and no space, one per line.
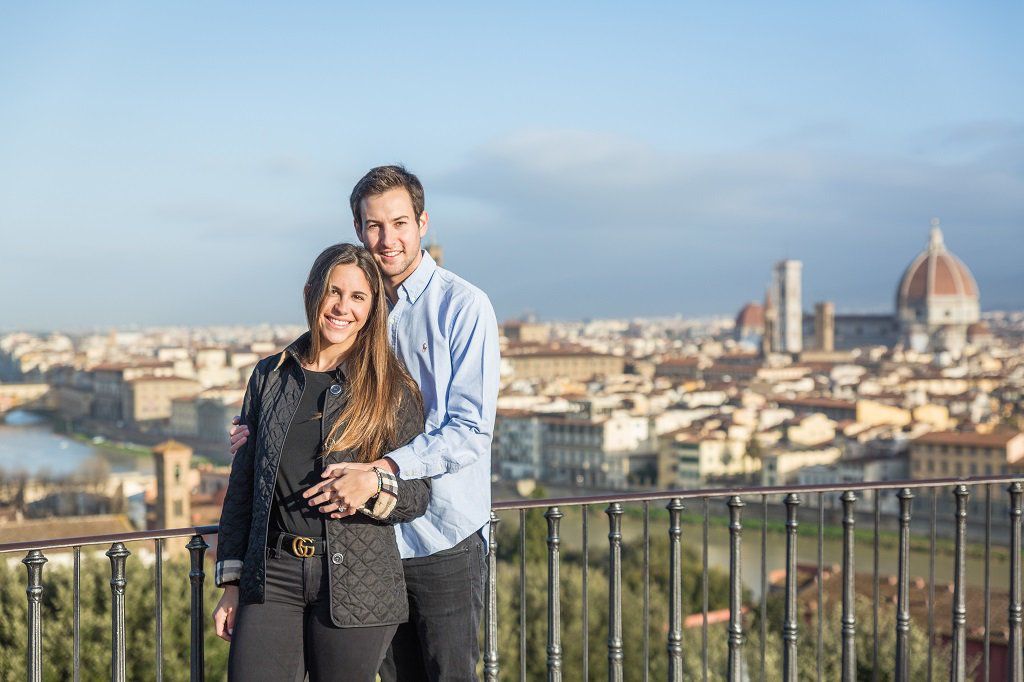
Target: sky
(183,163)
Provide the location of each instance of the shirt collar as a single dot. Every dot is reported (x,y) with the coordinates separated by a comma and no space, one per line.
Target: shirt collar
(415,283)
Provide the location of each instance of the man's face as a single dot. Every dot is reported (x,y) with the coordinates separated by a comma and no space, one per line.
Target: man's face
(392,232)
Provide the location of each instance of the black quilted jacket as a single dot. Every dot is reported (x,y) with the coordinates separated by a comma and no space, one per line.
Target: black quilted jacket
(365,570)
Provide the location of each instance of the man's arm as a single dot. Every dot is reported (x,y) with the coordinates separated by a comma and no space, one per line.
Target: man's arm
(465,434)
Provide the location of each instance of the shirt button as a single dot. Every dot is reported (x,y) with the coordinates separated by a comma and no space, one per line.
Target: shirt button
(337,558)
(335,389)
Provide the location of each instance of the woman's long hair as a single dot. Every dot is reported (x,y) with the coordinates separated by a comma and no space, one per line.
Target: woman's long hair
(376,382)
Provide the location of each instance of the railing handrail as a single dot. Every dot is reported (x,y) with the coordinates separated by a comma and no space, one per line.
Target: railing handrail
(84,540)
(506,505)
(647,496)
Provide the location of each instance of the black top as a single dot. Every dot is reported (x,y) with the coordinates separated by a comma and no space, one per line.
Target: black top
(300,461)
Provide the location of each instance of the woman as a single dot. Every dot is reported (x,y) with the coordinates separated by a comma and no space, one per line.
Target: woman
(304,578)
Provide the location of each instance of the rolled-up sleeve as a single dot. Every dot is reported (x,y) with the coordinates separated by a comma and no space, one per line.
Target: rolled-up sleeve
(465,434)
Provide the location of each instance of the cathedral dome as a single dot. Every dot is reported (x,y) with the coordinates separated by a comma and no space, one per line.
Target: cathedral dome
(751,317)
(937,299)
(935,272)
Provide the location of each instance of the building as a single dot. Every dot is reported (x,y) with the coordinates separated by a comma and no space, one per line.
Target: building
(108,382)
(749,328)
(833,408)
(689,460)
(937,300)
(943,454)
(937,311)
(517,445)
(575,451)
(148,399)
(519,331)
(825,326)
(786,298)
(780,466)
(172,462)
(551,363)
(184,417)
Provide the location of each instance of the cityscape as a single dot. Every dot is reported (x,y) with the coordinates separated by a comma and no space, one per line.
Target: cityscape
(783,393)
(126,430)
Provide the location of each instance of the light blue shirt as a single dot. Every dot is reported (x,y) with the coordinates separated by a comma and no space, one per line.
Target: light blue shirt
(445,331)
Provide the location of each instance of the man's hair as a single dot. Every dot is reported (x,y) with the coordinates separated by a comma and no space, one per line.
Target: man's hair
(380,180)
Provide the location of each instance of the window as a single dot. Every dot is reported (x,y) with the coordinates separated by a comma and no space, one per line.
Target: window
(177,473)
(179,508)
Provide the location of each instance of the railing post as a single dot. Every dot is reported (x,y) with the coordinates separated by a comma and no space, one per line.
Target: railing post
(614,512)
(491,603)
(958,671)
(675,601)
(789,626)
(1016,641)
(849,590)
(906,498)
(118,555)
(34,561)
(197,550)
(735,672)
(554,516)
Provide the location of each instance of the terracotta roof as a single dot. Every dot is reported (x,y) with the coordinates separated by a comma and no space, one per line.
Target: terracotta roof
(751,316)
(995,439)
(818,402)
(680,362)
(65,527)
(157,380)
(936,272)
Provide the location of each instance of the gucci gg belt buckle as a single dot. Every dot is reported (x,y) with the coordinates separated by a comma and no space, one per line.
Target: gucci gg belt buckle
(303,547)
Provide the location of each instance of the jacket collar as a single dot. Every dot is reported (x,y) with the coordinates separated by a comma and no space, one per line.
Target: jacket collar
(414,285)
(294,351)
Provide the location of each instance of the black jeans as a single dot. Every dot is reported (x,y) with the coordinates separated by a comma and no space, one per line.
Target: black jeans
(446,600)
(292,632)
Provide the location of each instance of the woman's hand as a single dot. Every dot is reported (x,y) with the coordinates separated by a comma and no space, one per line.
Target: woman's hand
(346,487)
(224,614)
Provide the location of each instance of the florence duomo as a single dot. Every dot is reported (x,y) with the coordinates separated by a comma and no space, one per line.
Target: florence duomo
(937,311)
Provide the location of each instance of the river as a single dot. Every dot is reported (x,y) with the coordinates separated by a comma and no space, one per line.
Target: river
(28,444)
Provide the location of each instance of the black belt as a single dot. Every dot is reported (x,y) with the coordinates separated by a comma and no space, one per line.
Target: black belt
(296,545)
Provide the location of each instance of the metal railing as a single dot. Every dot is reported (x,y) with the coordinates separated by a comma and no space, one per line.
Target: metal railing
(118,554)
(793,627)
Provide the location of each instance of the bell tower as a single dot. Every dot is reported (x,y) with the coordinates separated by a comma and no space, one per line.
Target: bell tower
(173,505)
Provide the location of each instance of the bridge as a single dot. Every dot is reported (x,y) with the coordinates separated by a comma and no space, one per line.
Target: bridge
(24,396)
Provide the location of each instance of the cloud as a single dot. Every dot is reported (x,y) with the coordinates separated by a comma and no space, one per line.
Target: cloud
(588,221)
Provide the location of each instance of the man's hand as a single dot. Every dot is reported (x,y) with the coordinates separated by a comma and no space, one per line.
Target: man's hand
(224,614)
(346,487)
(239,434)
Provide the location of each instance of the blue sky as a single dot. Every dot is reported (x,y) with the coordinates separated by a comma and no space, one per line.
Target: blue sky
(167,164)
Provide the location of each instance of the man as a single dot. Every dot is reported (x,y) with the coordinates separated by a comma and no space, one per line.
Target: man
(445,331)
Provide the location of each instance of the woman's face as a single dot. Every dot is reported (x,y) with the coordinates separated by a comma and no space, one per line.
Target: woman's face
(345,308)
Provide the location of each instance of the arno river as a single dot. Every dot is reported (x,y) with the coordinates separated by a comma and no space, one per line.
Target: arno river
(28,444)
